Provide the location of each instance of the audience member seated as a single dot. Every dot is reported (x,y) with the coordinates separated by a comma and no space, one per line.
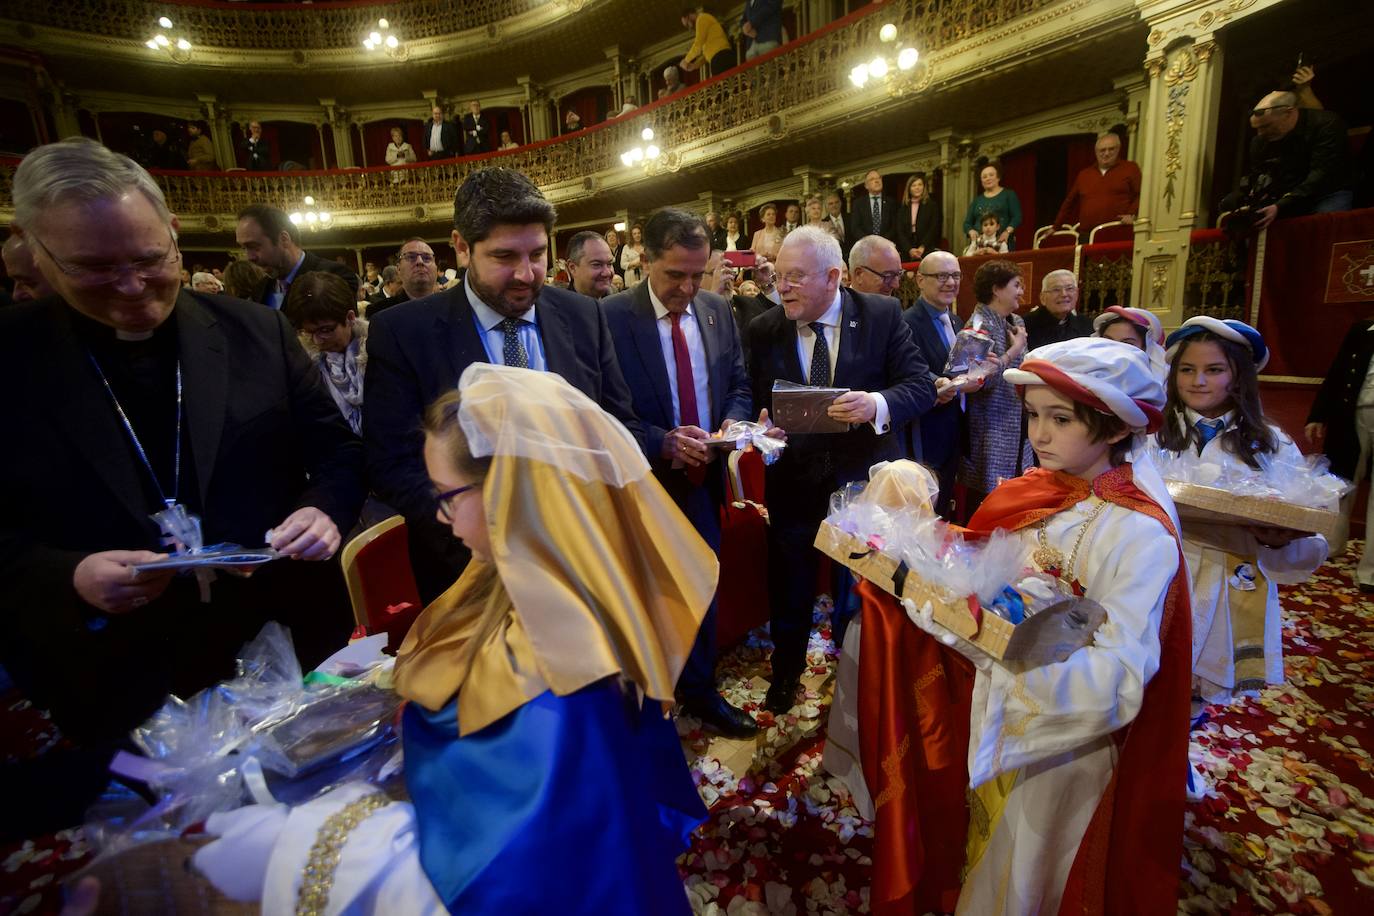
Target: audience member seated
(768,240)
(876,214)
(257,151)
(1055,318)
(476,130)
(1102,193)
(417,272)
(627,106)
(200,153)
(672,82)
(1299,163)
(320,308)
(629,258)
(244,280)
(507,142)
(441,136)
(997,200)
(761,23)
(888,385)
(589,265)
(617,283)
(874,266)
(502,312)
(205,282)
(186,399)
(572,122)
(934,321)
(709,44)
(918,221)
(371,281)
(29,282)
(270,240)
(997,447)
(990,241)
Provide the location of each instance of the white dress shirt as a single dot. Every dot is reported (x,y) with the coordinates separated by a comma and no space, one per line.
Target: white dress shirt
(806,344)
(436,137)
(494,337)
(696,349)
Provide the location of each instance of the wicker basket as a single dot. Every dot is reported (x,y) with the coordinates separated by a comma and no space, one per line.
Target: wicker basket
(156,878)
(1216,506)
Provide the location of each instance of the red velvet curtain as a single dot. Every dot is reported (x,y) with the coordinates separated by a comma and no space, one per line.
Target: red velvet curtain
(1079,155)
(591,104)
(1018,174)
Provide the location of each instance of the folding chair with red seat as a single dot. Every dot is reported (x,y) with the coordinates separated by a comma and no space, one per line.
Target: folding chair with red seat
(381,585)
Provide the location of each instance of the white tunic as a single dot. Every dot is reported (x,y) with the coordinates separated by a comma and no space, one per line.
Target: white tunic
(1052,725)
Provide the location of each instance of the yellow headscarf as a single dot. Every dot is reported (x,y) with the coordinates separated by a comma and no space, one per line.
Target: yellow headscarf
(596,572)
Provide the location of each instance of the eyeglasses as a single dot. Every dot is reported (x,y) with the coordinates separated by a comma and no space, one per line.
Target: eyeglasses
(444,501)
(1261,112)
(413,256)
(148,268)
(943,278)
(795,278)
(890,277)
(322,333)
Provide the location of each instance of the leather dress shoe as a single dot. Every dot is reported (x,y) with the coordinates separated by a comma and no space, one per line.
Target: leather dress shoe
(782,695)
(714,712)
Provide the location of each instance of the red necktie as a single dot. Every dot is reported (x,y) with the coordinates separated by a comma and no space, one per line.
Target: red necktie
(686,391)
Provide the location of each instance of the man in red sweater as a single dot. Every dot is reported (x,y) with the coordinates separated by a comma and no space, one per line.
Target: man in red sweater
(1102,193)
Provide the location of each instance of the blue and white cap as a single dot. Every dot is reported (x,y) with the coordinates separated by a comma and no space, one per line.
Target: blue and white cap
(1225,328)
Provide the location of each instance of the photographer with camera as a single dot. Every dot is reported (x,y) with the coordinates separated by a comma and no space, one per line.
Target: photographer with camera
(1298,165)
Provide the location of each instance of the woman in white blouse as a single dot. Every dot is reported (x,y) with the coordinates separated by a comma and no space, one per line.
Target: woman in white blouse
(733,237)
(630,257)
(399,152)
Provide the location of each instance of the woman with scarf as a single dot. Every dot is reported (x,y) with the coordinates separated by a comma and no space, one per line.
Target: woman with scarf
(321,308)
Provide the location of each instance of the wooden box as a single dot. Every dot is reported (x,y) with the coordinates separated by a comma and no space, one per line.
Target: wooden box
(1215,506)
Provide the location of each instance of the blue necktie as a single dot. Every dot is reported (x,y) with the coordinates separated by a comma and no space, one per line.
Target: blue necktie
(1207,430)
(513,351)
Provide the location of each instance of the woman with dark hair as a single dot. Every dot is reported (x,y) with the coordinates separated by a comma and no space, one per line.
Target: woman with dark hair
(768,240)
(629,258)
(1213,417)
(918,221)
(1139,328)
(320,306)
(997,446)
(732,236)
(997,200)
(243,279)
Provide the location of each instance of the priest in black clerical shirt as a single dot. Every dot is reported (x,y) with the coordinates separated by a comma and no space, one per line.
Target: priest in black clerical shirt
(1054,319)
(128,393)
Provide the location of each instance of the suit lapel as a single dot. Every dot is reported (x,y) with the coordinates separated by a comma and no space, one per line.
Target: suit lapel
(645,330)
(459,327)
(88,419)
(851,327)
(560,353)
(205,380)
(791,369)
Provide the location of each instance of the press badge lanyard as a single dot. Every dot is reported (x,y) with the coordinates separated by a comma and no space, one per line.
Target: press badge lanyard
(133,436)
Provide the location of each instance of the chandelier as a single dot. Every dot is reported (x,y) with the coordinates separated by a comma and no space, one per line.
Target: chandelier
(893,70)
(383,39)
(649,155)
(312,218)
(178,49)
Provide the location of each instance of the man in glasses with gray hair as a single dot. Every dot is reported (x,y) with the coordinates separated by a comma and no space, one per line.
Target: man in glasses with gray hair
(1056,317)
(136,395)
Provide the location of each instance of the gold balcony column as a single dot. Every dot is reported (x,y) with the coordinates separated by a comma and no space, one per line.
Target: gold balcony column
(617,85)
(956,165)
(1176,142)
(337,118)
(218,119)
(324,154)
(64,106)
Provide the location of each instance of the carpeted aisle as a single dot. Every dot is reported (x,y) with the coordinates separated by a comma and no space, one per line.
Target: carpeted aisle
(1289,827)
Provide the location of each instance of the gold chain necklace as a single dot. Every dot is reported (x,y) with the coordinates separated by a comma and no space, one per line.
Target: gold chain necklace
(1051,559)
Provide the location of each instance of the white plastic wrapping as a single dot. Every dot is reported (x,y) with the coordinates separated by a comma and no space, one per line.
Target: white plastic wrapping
(1307,483)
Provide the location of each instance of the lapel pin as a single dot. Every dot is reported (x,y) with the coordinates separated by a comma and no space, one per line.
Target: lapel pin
(711,320)
(853,324)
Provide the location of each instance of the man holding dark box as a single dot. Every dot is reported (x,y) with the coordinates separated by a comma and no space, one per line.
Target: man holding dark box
(826,337)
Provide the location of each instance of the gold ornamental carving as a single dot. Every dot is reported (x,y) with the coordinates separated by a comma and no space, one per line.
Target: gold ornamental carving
(1178,77)
(1217,15)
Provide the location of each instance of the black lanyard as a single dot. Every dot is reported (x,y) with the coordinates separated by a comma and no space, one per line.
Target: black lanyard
(133,436)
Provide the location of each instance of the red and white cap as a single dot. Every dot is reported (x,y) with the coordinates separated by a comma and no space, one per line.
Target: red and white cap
(1142,318)
(1100,373)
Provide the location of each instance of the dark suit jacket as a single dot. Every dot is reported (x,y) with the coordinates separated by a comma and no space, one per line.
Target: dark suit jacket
(257,156)
(859,222)
(480,143)
(876,354)
(1338,396)
(386,302)
(937,435)
(264,439)
(416,352)
(448,133)
(633,327)
(925,234)
(310,264)
(746,309)
(1043,328)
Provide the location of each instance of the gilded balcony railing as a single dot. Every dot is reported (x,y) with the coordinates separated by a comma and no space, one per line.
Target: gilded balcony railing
(1214,282)
(267,26)
(811,68)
